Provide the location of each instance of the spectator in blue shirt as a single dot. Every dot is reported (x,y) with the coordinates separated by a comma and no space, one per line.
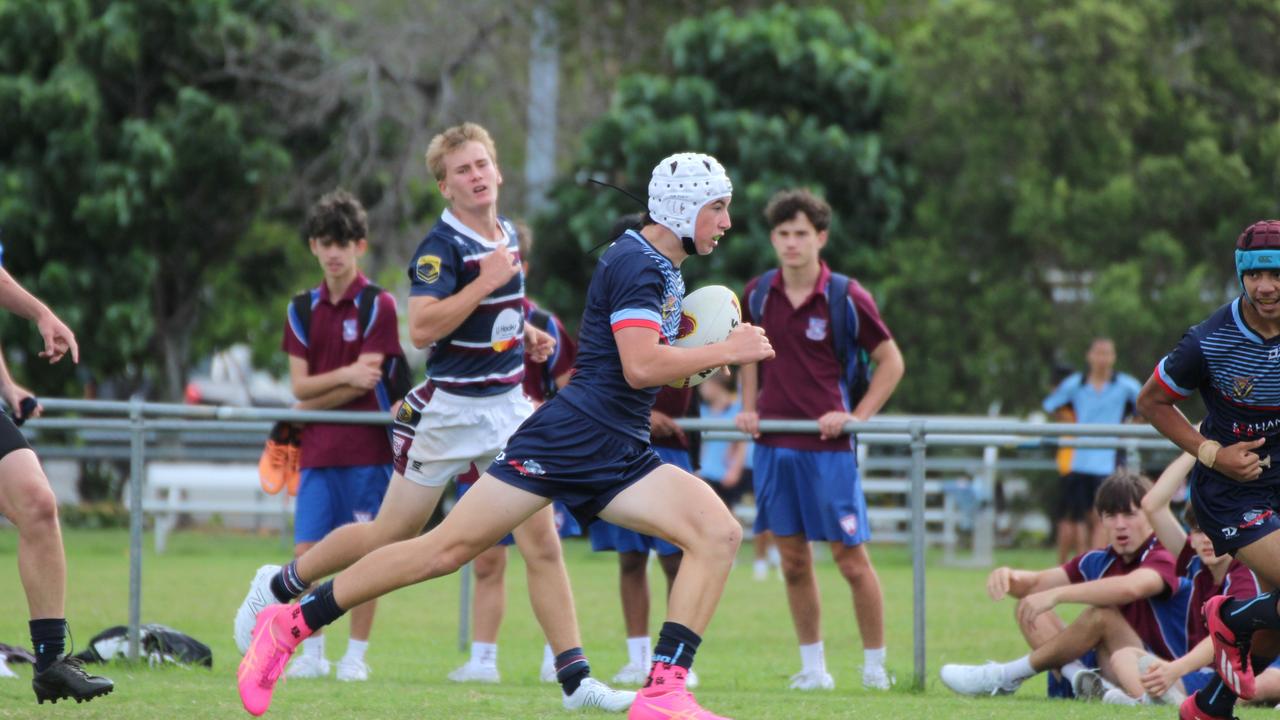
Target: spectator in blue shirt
(1101,395)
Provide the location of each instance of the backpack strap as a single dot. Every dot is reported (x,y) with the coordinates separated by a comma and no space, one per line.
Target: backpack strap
(367,308)
(842,335)
(759,294)
(300,315)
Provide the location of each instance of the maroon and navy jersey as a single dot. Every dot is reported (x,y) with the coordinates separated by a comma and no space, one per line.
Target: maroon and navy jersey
(1239,583)
(633,285)
(332,340)
(1238,376)
(485,354)
(802,381)
(540,377)
(1157,620)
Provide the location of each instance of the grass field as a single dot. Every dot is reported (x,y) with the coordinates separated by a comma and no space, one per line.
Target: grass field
(744,664)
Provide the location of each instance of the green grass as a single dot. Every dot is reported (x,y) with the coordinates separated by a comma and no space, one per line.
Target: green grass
(749,652)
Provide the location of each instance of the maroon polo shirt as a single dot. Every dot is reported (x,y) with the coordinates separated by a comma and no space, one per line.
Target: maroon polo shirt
(802,381)
(538,376)
(1239,583)
(333,341)
(1142,615)
(674,403)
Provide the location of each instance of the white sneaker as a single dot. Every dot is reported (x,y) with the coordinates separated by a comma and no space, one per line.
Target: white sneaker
(633,674)
(594,694)
(1173,696)
(1089,685)
(876,678)
(1116,696)
(985,679)
(812,680)
(306,667)
(690,679)
(760,571)
(353,670)
(258,597)
(475,672)
(548,673)
(5,670)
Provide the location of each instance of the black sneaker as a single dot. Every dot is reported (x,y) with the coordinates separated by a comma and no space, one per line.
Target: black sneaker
(67,678)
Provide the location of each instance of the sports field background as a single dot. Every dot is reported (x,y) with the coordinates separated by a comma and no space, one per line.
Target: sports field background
(744,664)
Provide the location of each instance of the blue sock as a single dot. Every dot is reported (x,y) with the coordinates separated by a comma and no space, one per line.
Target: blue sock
(1245,616)
(320,608)
(286,585)
(48,637)
(571,669)
(677,645)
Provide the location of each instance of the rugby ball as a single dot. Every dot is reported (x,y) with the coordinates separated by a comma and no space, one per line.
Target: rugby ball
(707,316)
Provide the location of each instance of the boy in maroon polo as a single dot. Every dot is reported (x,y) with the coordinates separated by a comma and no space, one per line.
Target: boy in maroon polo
(1129,583)
(807,486)
(335,363)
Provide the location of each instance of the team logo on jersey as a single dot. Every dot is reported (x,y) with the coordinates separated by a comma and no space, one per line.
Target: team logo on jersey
(350,331)
(397,444)
(1229,532)
(507,330)
(669,304)
(849,523)
(1274,354)
(817,329)
(527,467)
(429,268)
(1242,387)
(405,414)
(1254,518)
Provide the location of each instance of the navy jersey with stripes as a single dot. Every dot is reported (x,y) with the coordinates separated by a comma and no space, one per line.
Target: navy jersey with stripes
(634,285)
(1238,376)
(485,354)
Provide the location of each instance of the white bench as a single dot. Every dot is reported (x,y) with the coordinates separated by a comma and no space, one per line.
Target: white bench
(174,489)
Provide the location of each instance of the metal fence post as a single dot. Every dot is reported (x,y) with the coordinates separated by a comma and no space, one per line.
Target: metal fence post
(464,608)
(137,463)
(917,546)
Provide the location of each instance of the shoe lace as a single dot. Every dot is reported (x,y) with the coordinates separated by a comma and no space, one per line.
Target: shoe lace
(76,665)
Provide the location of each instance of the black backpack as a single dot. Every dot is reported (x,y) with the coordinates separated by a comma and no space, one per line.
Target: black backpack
(157,644)
(395,371)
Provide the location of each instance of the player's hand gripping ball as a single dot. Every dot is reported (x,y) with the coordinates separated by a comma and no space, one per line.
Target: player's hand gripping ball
(707,316)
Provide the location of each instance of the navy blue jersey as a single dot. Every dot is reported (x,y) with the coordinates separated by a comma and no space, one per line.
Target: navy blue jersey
(1238,376)
(634,285)
(485,354)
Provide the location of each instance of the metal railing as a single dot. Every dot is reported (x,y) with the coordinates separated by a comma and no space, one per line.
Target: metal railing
(139,418)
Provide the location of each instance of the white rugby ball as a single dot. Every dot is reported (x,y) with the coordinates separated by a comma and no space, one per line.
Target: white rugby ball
(707,316)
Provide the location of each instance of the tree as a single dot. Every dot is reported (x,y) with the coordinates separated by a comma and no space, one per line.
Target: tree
(131,174)
(782,97)
(1085,167)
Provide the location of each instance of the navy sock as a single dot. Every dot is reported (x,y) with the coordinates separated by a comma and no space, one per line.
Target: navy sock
(286,585)
(1215,699)
(1245,616)
(320,608)
(571,669)
(677,645)
(48,637)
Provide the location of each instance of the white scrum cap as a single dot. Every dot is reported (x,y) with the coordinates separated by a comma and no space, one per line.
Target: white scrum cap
(681,185)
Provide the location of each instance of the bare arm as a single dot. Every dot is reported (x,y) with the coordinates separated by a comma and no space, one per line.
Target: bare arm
(647,363)
(14,393)
(748,420)
(1162,674)
(1019,583)
(333,398)
(1237,461)
(1104,592)
(1156,504)
(360,376)
(890,367)
(58,338)
(433,318)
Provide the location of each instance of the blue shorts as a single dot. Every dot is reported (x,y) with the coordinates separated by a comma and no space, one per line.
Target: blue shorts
(1233,514)
(817,493)
(1194,681)
(605,536)
(330,497)
(561,454)
(566,526)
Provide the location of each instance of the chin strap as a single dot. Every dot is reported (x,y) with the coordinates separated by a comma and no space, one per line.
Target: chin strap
(689,248)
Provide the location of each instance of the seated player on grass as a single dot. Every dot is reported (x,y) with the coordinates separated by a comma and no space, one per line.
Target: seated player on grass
(1128,584)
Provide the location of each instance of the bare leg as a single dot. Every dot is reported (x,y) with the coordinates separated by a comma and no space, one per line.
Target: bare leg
(1096,535)
(698,523)
(28,502)
(405,510)
(670,567)
(1102,628)
(1068,544)
(549,590)
(490,601)
(868,601)
(802,587)
(633,584)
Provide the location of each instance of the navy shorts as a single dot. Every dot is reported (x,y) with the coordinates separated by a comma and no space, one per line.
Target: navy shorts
(561,454)
(330,497)
(1233,514)
(1075,495)
(566,526)
(815,493)
(605,536)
